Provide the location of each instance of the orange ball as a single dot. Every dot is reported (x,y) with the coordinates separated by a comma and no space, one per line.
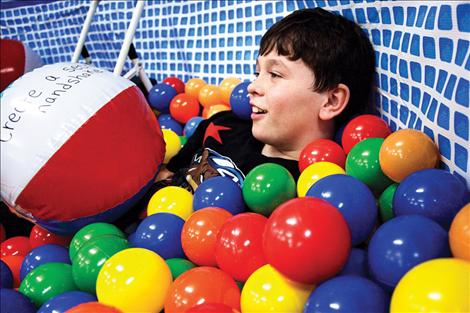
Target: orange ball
(226,88)
(213,109)
(199,235)
(202,285)
(209,95)
(95,307)
(459,234)
(193,86)
(407,151)
(14,263)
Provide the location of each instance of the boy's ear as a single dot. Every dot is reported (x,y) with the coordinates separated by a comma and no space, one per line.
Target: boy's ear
(336,101)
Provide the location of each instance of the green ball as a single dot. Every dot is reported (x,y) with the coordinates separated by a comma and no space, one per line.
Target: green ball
(386,202)
(92,231)
(267,186)
(179,266)
(91,257)
(47,281)
(183,140)
(363,163)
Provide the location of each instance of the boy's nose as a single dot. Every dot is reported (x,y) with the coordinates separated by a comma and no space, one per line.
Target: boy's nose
(254,88)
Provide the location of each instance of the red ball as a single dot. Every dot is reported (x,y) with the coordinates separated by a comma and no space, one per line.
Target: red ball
(40,236)
(175,83)
(201,285)
(322,150)
(307,239)
(211,308)
(239,246)
(95,307)
(18,245)
(363,127)
(183,107)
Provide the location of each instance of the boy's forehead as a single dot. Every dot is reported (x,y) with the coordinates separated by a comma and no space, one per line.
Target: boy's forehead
(273,59)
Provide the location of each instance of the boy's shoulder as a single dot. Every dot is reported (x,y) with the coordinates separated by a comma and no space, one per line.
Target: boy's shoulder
(228,117)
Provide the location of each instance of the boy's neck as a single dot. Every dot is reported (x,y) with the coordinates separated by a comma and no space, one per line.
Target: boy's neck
(273,152)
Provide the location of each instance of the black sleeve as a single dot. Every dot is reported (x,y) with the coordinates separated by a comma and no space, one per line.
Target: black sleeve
(183,158)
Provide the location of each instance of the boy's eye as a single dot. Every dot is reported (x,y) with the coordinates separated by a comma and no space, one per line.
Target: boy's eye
(256,74)
(274,75)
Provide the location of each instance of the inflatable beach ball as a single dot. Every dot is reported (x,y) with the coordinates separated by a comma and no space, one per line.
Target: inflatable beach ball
(78,145)
(15,60)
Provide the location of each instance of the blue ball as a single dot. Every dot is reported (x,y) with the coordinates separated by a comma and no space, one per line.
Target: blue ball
(347,294)
(161,233)
(65,301)
(12,301)
(191,126)
(434,193)
(160,96)
(353,199)
(6,277)
(221,192)
(356,264)
(240,101)
(41,255)
(168,122)
(402,243)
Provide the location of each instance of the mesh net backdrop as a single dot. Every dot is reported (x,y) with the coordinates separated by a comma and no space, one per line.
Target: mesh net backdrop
(422,50)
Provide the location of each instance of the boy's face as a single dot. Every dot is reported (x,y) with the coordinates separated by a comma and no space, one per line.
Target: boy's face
(285,108)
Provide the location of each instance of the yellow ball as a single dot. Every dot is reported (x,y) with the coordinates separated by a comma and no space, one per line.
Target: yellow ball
(226,87)
(193,86)
(315,172)
(172,144)
(134,280)
(171,199)
(439,285)
(266,290)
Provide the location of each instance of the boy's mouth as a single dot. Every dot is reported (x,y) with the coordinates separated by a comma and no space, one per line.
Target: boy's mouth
(257,110)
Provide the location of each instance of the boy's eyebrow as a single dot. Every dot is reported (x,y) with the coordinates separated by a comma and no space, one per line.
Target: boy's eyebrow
(271,62)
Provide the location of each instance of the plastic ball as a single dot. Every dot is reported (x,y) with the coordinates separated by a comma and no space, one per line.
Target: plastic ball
(209,95)
(440,285)
(172,144)
(176,83)
(160,96)
(160,233)
(40,236)
(363,163)
(353,199)
(266,290)
(402,243)
(65,301)
(168,122)
(208,112)
(47,281)
(42,255)
(199,235)
(226,87)
(18,245)
(315,172)
(6,276)
(386,202)
(193,86)
(171,199)
(14,263)
(94,307)
(202,285)
(348,294)
(100,132)
(356,264)
(407,151)
(266,186)
(221,192)
(134,279)
(322,150)
(11,301)
(191,126)
(239,246)
(434,193)
(178,266)
(363,127)
(211,308)
(183,107)
(459,234)
(240,101)
(91,257)
(183,140)
(90,232)
(299,237)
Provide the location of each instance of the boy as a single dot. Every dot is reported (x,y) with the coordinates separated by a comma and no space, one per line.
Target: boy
(314,71)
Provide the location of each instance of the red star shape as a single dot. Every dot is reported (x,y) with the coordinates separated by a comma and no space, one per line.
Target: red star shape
(213,131)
